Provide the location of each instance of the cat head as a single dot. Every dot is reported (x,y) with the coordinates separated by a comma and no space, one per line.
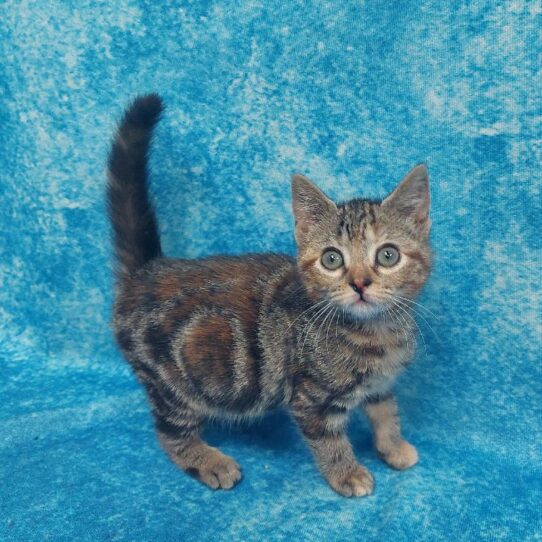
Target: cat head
(364,256)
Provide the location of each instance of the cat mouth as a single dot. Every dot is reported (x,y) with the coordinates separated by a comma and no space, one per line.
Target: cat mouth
(360,304)
(362,300)
(361,307)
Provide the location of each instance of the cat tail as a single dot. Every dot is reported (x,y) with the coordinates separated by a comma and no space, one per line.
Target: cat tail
(135,229)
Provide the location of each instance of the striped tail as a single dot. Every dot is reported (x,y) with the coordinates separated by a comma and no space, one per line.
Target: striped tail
(135,230)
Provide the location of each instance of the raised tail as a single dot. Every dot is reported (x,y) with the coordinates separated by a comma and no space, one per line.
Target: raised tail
(135,229)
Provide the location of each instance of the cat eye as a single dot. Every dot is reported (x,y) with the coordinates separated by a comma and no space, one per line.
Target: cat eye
(387,256)
(332,259)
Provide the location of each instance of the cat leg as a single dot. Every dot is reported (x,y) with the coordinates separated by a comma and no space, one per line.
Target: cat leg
(205,463)
(178,431)
(392,448)
(332,450)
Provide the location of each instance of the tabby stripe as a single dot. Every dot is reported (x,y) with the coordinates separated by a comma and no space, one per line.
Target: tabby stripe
(176,428)
(370,351)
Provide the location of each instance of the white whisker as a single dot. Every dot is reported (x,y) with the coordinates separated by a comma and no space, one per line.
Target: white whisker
(310,324)
(328,328)
(429,311)
(407,314)
(312,307)
(322,325)
(422,317)
(404,327)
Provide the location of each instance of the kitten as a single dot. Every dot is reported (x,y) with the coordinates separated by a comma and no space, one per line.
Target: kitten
(232,337)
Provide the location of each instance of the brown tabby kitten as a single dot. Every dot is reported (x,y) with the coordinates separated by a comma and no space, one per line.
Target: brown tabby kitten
(232,337)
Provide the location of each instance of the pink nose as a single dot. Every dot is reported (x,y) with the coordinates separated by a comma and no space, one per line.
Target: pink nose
(359,285)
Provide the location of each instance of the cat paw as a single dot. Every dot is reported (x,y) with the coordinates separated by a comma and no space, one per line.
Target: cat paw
(400,457)
(357,482)
(216,470)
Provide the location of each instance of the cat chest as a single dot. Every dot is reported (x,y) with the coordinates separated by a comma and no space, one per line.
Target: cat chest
(371,386)
(368,376)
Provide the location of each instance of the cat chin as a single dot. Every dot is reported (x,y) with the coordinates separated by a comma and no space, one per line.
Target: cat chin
(363,311)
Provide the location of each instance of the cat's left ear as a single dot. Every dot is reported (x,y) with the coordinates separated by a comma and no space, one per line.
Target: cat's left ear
(310,206)
(411,197)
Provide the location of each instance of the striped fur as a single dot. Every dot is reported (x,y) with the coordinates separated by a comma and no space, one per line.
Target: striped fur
(232,337)
(131,213)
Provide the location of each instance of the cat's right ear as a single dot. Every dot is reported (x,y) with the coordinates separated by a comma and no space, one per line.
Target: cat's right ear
(310,205)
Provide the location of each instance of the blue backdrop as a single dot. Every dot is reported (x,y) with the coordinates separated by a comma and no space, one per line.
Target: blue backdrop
(351,93)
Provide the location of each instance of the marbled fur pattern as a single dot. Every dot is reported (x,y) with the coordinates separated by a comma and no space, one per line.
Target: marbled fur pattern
(232,337)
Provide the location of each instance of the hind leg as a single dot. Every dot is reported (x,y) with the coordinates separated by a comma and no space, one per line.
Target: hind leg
(178,431)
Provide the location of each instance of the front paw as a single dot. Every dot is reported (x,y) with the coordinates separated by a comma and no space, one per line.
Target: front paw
(402,456)
(355,482)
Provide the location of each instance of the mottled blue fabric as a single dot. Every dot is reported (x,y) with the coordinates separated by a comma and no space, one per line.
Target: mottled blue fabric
(352,94)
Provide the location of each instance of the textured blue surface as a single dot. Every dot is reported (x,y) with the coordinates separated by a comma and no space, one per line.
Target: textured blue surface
(352,94)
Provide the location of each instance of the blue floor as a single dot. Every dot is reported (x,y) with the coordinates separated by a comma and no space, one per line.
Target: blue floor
(352,94)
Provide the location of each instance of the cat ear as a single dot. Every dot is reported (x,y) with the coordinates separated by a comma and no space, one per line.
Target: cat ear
(411,197)
(310,205)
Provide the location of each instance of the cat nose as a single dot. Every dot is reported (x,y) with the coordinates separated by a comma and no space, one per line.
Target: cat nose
(359,285)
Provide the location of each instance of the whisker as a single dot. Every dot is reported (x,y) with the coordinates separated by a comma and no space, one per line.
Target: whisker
(423,318)
(404,327)
(388,312)
(323,324)
(312,307)
(328,328)
(407,314)
(429,311)
(310,324)
(307,331)
(295,291)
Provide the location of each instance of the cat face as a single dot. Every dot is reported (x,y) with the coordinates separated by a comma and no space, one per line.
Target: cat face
(364,256)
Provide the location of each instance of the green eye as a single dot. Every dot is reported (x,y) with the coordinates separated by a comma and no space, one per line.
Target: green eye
(387,256)
(332,259)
